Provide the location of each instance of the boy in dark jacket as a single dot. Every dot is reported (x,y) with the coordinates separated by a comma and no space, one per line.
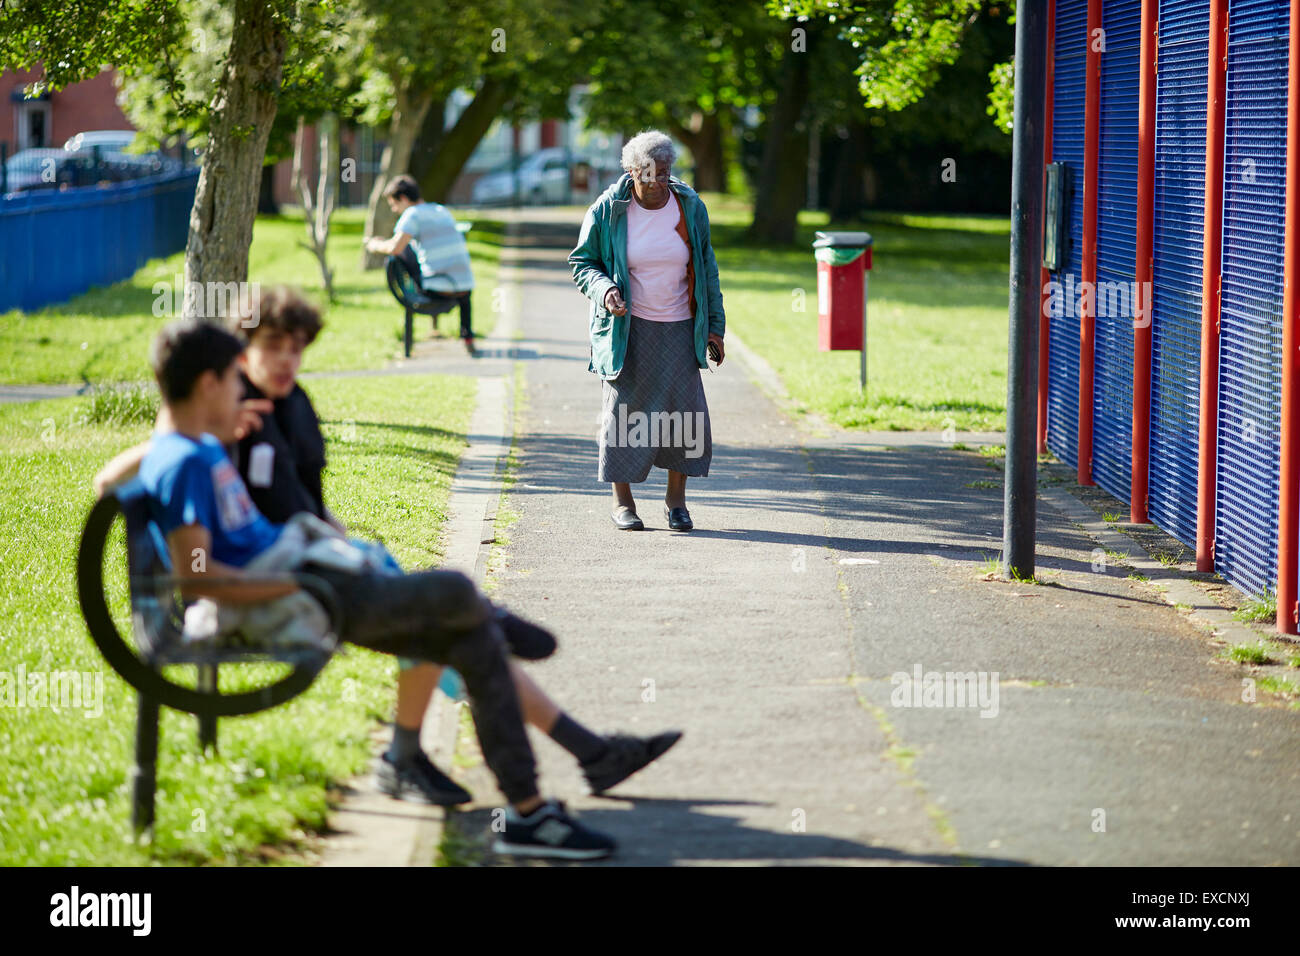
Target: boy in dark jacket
(203,507)
(280,455)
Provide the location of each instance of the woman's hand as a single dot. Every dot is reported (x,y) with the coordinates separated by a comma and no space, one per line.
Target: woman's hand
(717,340)
(614,302)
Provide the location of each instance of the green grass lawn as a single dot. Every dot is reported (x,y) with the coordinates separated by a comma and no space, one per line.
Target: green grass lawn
(936,318)
(103,335)
(64,784)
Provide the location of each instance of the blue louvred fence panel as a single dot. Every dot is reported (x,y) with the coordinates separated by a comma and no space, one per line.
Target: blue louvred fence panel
(1250,320)
(1114,295)
(1182,62)
(1069,58)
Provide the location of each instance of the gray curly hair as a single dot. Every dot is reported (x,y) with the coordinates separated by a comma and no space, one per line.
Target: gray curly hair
(646,148)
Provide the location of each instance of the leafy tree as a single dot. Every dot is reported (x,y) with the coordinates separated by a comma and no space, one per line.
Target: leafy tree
(275,46)
(901,47)
(515,55)
(1002,76)
(943,151)
(319,88)
(690,69)
(526,76)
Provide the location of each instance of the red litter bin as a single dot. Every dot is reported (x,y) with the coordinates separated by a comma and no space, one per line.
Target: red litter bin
(843,259)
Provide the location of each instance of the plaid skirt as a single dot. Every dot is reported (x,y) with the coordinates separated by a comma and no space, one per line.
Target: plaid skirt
(654,413)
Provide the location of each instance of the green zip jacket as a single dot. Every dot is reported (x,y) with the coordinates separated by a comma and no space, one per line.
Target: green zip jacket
(600,262)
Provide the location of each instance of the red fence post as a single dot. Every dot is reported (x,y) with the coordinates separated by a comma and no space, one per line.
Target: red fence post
(1288,506)
(1142,266)
(1210,275)
(1088,265)
(1044,327)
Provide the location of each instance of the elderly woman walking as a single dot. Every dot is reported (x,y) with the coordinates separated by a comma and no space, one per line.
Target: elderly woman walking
(645,260)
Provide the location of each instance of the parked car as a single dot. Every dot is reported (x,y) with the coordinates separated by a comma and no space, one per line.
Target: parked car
(39,168)
(119,165)
(124,166)
(543,178)
(108,141)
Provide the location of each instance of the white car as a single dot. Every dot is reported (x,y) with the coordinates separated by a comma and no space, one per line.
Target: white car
(108,141)
(543,178)
(121,165)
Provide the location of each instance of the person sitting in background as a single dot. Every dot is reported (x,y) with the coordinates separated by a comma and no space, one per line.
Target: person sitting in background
(431,230)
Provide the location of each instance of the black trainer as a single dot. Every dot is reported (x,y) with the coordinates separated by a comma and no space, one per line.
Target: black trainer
(420,781)
(624,756)
(549,831)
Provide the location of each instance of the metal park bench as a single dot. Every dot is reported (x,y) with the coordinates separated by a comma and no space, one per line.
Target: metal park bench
(404,282)
(160,639)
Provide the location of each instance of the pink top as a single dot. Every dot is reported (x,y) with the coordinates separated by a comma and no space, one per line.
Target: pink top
(656,261)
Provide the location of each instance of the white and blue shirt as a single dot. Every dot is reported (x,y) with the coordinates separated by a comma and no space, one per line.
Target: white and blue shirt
(441,249)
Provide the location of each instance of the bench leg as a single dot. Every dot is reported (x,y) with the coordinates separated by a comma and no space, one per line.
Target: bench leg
(408,332)
(207,722)
(145,772)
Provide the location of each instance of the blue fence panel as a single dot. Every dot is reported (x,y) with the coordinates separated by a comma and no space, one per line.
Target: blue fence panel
(1069,59)
(1112,446)
(1182,62)
(1250,321)
(56,244)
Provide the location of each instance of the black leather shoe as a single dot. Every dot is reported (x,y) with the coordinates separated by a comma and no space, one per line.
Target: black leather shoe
(626,520)
(679,519)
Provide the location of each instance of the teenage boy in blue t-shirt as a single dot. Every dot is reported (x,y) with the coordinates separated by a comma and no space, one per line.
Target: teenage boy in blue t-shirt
(203,509)
(281,458)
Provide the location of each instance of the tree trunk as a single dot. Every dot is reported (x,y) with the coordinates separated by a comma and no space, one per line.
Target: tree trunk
(703,137)
(459,142)
(409,109)
(429,140)
(266,193)
(783,173)
(847,198)
(242,110)
(318,209)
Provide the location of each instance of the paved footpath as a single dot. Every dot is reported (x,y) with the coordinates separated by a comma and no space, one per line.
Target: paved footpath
(821,565)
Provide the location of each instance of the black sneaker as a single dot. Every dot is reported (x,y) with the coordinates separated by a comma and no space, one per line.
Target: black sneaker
(624,756)
(420,781)
(550,832)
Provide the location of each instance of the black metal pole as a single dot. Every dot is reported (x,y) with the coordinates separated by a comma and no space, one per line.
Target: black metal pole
(1021,486)
(207,681)
(145,772)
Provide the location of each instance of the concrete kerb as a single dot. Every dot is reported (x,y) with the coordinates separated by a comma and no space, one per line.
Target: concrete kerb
(765,377)
(1175,587)
(375,829)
